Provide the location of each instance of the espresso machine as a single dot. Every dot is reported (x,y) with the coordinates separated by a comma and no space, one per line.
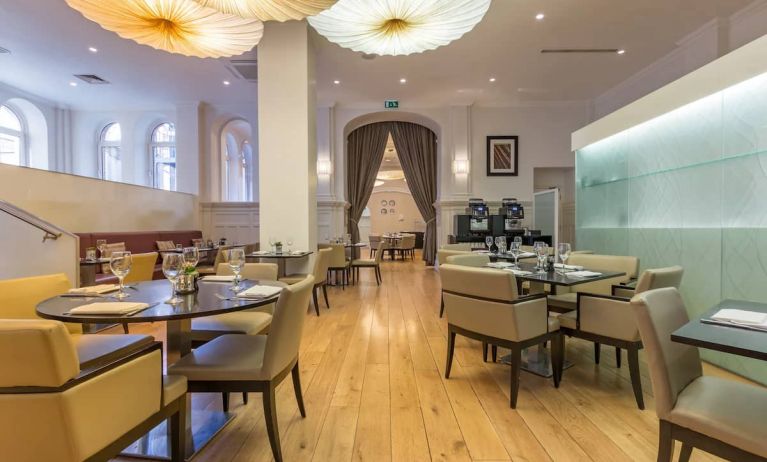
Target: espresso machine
(512,212)
(479,216)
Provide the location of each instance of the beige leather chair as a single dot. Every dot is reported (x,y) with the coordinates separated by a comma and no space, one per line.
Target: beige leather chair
(252,271)
(374,263)
(339,264)
(245,363)
(566,298)
(719,416)
(374,240)
(482,304)
(320,275)
(650,279)
(406,246)
(448,250)
(54,409)
(465,247)
(606,319)
(476,260)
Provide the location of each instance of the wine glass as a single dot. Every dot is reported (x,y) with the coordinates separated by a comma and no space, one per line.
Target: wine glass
(120,263)
(515,249)
(236,261)
(518,239)
(101,244)
(500,242)
(191,256)
(172,266)
(489,242)
(563,250)
(179,247)
(272,241)
(289,242)
(542,252)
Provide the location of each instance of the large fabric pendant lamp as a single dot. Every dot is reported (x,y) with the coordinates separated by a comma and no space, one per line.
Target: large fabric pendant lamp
(175,26)
(398,27)
(269,10)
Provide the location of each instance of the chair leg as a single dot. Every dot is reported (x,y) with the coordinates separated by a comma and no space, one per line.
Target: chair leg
(618,357)
(516,367)
(636,379)
(684,456)
(494,350)
(441,306)
(484,351)
(270,414)
(225,400)
(597,352)
(125,328)
(297,389)
(450,349)
(665,442)
(379,278)
(558,358)
(325,294)
(178,434)
(244,397)
(316,303)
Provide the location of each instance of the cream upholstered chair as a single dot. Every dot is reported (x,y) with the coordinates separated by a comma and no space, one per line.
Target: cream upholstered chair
(320,275)
(339,264)
(719,416)
(482,304)
(374,263)
(465,247)
(252,271)
(245,363)
(606,319)
(650,279)
(565,300)
(477,260)
(406,246)
(443,253)
(374,240)
(53,409)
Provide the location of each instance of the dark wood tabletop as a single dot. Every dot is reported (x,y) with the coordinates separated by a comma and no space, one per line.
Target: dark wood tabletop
(280,255)
(558,279)
(203,303)
(734,340)
(98,261)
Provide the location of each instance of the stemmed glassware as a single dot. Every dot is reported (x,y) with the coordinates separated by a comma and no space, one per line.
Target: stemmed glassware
(489,242)
(541,250)
(500,242)
(563,251)
(289,242)
(515,249)
(236,260)
(101,244)
(172,266)
(120,263)
(272,241)
(191,256)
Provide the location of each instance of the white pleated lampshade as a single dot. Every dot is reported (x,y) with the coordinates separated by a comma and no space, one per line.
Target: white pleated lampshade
(269,10)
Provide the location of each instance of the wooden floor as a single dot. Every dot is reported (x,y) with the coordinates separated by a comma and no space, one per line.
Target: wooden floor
(372,368)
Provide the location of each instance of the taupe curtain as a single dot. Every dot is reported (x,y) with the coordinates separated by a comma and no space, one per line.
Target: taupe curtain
(364,153)
(417,151)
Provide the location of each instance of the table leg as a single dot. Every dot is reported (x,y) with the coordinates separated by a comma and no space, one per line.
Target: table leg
(201,424)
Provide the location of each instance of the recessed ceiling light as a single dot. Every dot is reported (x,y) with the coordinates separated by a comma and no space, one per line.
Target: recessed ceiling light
(337,82)
(72,84)
(540,16)
(226,82)
(403,80)
(621,52)
(492,79)
(93,49)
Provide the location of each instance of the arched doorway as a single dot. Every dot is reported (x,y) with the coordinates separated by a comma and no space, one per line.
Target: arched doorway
(237,161)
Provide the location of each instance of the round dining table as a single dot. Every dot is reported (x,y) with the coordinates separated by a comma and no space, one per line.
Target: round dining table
(212,298)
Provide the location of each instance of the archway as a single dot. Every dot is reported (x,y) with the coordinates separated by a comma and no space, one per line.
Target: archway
(237,161)
(36,132)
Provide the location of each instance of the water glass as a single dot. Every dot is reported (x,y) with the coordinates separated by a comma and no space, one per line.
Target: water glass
(489,242)
(289,242)
(191,256)
(172,266)
(500,242)
(90,254)
(541,250)
(236,260)
(120,264)
(101,244)
(563,251)
(515,249)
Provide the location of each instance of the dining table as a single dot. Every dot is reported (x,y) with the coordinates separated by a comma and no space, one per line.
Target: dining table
(88,269)
(392,240)
(212,298)
(281,257)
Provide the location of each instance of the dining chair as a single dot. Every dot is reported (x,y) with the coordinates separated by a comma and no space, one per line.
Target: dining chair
(443,253)
(339,264)
(142,269)
(374,240)
(607,320)
(319,275)
(483,304)
(255,363)
(476,260)
(252,271)
(374,263)
(220,258)
(407,246)
(53,408)
(716,415)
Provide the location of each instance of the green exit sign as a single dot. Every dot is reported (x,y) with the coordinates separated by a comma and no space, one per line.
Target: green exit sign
(391,104)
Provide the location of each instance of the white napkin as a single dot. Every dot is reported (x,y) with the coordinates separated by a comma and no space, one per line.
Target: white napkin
(746,318)
(518,272)
(481,251)
(500,264)
(260,292)
(261,252)
(570,267)
(583,274)
(110,308)
(95,290)
(526,255)
(229,278)
(297,252)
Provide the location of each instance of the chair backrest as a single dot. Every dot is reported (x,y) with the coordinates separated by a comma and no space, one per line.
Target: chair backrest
(672,365)
(142,268)
(286,330)
(477,260)
(374,239)
(409,242)
(618,263)
(253,247)
(321,265)
(659,278)
(221,255)
(19,297)
(252,271)
(443,254)
(36,353)
(337,256)
(466,247)
(380,247)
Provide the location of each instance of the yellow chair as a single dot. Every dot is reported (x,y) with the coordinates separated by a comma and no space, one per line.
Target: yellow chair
(20,297)
(142,268)
(252,271)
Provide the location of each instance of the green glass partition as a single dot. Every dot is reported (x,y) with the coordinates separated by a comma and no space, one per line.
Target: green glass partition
(688,187)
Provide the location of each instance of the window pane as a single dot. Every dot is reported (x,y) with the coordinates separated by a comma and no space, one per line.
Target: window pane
(9,120)
(165,133)
(165,176)
(10,149)
(112,133)
(111,159)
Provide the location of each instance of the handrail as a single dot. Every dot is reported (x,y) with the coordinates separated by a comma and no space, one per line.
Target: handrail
(51,232)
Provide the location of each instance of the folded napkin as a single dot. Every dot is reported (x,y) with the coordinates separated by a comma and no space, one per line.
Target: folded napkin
(481,251)
(110,308)
(95,290)
(735,316)
(518,272)
(261,252)
(500,264)
(297,252)
(583,274)
(526,255)
(570,267)
(260,292)
(228,278)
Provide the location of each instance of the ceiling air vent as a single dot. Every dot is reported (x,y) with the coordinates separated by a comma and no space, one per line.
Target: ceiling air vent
(580,50)
(4,50)
(246,69)
(92,79)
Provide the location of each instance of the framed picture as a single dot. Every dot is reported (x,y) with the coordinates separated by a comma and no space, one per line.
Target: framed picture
(383,211)
(383,203)
(392,203)
(502,155)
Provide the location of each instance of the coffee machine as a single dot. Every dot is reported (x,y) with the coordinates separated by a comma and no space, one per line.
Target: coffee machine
(479,213)
(512,212)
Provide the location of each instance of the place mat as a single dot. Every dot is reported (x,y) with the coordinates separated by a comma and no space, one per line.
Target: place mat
(94,290)
(213,278)
(260,292)
(121,308)
(743,319)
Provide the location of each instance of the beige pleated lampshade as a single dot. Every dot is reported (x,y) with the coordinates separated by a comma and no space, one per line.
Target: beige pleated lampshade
(270,10)
(176,26)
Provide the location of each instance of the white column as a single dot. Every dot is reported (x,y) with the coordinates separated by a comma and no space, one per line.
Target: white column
(287,137)
(188,147)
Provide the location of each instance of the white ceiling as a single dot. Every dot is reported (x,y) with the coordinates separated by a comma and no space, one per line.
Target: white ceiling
(49,42)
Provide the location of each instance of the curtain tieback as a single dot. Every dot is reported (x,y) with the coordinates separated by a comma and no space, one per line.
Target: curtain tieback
(355,221)
(433,219)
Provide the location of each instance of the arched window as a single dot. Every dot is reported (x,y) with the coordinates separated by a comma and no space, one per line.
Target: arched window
(237,162)
(109,152)
(163,151)
(247,171)
(12,139)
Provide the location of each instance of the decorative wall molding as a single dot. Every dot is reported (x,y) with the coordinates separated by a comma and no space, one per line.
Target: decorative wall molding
(238,222)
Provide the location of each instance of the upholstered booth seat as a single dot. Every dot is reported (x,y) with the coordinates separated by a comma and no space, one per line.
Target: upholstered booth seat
(94,350)
(240,322)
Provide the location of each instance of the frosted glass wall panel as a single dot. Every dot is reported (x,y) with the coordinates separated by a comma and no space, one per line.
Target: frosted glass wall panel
(689,188)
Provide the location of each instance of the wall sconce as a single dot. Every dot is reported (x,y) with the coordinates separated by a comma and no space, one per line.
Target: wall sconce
(461,166)
(324,167)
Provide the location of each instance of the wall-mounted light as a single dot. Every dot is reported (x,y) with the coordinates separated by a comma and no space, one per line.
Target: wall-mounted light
(324,167)
(461,166)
